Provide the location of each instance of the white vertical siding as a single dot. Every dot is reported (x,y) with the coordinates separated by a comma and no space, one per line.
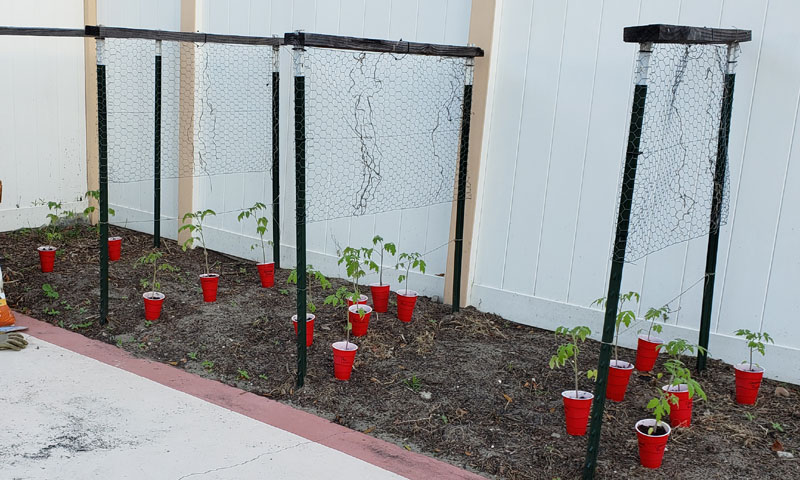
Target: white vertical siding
(42,128)
(556,137)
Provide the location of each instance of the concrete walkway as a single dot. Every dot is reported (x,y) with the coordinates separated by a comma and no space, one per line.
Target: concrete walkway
(66,412)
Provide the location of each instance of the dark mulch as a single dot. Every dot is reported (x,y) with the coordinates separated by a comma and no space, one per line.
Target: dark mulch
(494,407)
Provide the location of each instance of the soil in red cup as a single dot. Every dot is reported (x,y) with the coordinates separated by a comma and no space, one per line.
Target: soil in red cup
(358,321)
(651,447)
(362,300)
(576,410)
(647,352)
(209,282)
(114,248)
(406,300)
(680,414)
(153,301)
(344,354)
(380,297)
(47,258)
(266,271)
(309,327)
(748,381)
(618,376)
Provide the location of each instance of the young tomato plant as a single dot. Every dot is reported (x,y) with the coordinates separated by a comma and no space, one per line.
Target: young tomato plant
(195,228)
(755,341)
(654,314)
(408,262)
(338,299)
(152,259)
(311,274)
(568,352)
(378,246)
(660,405)
(354,263)
(678,373)
(261,226)
(624,317)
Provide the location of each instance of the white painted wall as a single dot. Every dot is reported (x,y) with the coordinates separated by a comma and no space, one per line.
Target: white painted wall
(42,127)
(555,138)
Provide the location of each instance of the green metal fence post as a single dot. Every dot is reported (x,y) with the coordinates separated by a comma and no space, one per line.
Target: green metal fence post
(276,158)
(463,154)
(618,257)
(300,207)
(102,144)
(716,206)
(157,151)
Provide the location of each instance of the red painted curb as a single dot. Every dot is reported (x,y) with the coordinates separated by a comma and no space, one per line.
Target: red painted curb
(356,444)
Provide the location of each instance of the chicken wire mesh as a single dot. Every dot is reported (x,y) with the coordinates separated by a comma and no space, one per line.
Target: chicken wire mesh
(227,129)
(382,131)
(674,187)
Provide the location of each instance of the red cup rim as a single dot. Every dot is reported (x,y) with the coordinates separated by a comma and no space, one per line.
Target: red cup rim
(681,388)
(268,263)
(407,293)
(354,308)
(651,422)
(378,284)
(340,346)
(570,394)
(209,275)
(114,239)
(159,295)
(47,248)
(309,317)
(745,367)
(651,339)
(614,364)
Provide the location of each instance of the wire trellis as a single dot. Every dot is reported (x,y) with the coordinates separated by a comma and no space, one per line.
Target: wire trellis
(382,131)
(674,187)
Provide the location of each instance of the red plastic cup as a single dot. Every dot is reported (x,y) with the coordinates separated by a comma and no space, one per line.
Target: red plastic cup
(47,258)
(576,410)
(209,283)
(651,447)
(406,300)
(309,327)
(362,300)
(647,352)
(267,273)
(680,414)
(618,376)
(380,297)
(358,321)
(114,248)
(344,354)
(747,383)
(153,301)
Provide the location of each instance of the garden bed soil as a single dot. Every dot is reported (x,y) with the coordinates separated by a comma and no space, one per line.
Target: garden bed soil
(469,388)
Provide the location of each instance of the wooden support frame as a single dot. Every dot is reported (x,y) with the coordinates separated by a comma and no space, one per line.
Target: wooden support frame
(481,32)
(186,117)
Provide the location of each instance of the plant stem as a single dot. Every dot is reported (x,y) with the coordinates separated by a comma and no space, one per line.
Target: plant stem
(575,364)
(203,242)
(751,359)
(155,270)
(616,346)
(380,268)
(263,250)
(408,272)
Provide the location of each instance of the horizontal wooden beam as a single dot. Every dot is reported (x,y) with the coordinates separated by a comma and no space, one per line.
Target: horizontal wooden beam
(303,39)
(117,32)
(42,32)
(660,33)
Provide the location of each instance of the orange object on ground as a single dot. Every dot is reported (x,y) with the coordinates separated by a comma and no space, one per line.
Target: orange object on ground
(6,316)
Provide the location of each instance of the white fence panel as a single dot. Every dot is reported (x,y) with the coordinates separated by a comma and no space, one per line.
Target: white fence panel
(557,132)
